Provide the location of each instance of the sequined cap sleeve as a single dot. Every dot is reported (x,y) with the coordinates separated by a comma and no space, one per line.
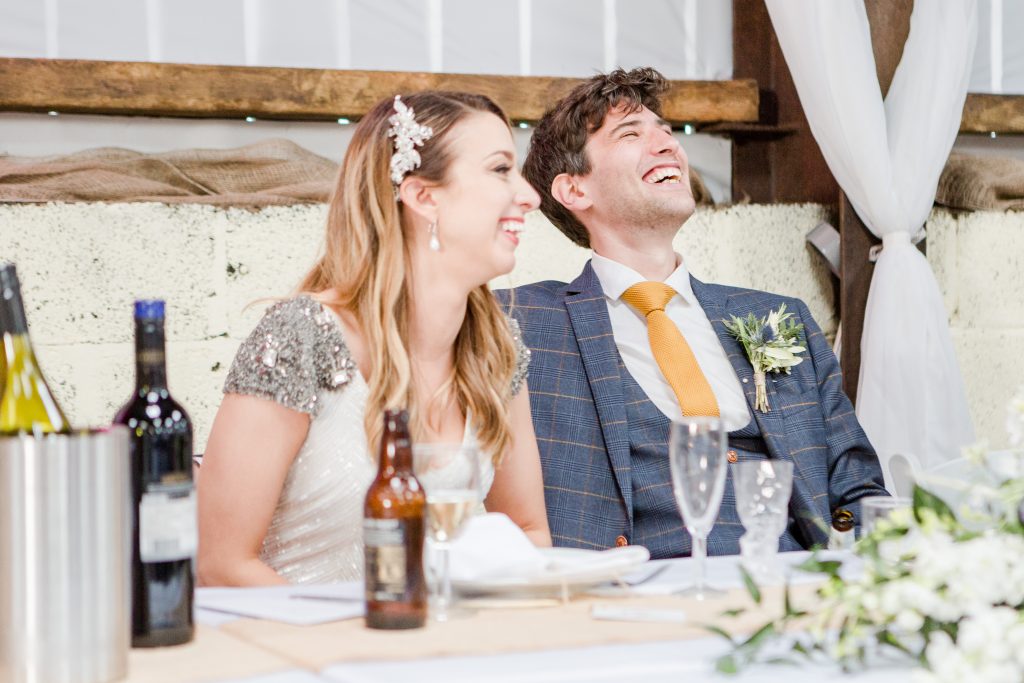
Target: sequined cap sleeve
(296,352)
(522,356)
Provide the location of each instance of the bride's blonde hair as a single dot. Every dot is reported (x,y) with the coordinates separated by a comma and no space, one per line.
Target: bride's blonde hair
(366,261)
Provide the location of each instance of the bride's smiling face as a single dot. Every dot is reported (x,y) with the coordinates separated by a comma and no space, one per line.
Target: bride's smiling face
(483,201)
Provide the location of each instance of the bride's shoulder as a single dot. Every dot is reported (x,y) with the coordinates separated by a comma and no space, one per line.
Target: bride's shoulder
(296,351)
(522,355)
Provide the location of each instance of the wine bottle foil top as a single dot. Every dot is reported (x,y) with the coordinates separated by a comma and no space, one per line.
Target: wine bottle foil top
(149,309)
(8,276)
(12,311)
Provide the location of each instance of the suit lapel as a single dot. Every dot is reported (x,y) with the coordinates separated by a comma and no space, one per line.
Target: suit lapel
(719,308)
(714,305)
(588,313)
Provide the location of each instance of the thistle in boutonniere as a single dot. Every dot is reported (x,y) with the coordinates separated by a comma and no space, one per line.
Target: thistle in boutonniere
(772,343)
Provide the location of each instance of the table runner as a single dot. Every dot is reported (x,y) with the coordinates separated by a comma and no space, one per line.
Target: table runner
(212,656)
(495,631)
(498,631)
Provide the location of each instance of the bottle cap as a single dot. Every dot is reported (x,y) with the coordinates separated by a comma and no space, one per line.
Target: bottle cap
(149,309)
(396,418)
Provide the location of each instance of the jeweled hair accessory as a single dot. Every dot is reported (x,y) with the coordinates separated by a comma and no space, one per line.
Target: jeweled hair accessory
(408,136)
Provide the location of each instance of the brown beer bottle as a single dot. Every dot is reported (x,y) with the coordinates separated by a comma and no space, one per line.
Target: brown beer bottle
(393,528)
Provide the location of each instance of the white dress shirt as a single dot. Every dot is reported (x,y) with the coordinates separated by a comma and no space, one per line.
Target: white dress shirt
(630,331)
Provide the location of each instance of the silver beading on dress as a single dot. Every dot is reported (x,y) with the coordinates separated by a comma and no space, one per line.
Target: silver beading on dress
(294,354)
(522,356)
(408,136)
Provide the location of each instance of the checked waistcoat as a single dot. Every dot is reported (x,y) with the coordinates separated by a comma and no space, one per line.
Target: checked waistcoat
(657,524)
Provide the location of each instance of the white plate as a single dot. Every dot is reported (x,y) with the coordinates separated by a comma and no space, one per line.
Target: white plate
(567,569)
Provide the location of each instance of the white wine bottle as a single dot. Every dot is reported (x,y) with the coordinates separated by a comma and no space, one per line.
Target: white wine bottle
(27,405)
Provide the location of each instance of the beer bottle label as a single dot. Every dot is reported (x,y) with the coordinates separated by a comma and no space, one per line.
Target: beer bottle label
(384,540)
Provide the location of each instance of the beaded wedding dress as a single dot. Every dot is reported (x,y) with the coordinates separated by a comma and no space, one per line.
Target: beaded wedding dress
(297,357)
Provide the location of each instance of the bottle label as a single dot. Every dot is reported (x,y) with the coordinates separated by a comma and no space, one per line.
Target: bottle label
(150,357)
(167,522)
(384,541)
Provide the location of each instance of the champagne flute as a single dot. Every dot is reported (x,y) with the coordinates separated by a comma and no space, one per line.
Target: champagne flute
(450,475)
(698,464)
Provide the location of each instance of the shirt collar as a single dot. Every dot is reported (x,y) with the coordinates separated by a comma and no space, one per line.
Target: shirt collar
(616,278)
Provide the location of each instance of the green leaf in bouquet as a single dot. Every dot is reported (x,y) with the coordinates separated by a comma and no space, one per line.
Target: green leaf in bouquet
(726,664)
(719,631)
(923,500)
(790,613)
(758,638)
(885,637)
(815,565)
(748,581)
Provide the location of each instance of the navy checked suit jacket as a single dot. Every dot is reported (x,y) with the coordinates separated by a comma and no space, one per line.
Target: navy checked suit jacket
(580,418)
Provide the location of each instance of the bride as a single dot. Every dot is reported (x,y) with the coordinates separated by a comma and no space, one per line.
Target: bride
(396,313)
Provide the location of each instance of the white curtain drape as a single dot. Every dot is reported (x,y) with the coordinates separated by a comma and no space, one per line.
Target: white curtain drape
(887,157)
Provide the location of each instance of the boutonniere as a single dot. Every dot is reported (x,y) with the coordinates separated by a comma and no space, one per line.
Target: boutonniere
(772,344)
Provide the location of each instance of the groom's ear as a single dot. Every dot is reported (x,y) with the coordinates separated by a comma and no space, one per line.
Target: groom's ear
(568,191)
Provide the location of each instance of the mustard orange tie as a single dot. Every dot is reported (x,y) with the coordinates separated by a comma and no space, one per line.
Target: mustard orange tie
(672,353)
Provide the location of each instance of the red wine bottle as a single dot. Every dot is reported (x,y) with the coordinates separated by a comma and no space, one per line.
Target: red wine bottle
(164,532)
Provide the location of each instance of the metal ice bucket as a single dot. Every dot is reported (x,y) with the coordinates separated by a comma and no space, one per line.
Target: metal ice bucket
(65,558)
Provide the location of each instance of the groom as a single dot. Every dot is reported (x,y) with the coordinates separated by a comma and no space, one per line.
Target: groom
(635,342)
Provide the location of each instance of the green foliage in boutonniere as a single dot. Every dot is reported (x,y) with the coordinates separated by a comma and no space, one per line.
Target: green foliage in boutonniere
(772,344)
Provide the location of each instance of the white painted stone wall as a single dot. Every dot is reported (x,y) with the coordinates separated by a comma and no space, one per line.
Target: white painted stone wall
(978,259)
(82,265)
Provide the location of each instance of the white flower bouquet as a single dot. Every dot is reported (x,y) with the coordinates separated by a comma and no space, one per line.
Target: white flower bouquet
(943,586)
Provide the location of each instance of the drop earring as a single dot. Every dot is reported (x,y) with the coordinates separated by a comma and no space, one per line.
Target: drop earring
(435,243)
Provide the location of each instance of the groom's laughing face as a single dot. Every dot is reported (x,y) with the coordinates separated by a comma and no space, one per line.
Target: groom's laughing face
(639,172)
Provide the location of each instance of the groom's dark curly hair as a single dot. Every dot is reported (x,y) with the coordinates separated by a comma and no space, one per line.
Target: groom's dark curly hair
(557,144)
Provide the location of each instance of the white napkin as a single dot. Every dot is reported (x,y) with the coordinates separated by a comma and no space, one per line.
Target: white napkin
(291,604)
(492,546)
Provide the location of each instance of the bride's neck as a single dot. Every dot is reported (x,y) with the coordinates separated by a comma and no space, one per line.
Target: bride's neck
(434,323)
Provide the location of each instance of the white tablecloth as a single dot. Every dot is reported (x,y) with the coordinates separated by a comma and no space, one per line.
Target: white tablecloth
(684,661)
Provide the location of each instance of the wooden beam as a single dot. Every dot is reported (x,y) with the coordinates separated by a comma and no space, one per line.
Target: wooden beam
(192,90)
(889,23)
(855,271)
(778,160)
(1002,114)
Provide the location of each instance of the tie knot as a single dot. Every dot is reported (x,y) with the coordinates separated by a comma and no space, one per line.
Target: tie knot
(649,296)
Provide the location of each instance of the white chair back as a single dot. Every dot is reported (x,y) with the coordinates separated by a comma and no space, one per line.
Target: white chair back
(900,472)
